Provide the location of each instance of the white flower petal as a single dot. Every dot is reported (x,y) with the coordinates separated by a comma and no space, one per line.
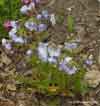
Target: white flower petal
(53,19)
(24,9)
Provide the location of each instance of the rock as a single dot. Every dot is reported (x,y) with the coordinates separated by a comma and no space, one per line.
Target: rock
(5,59)
(7,103)
(99,56)
(93,78)
(11,87)
(1,85)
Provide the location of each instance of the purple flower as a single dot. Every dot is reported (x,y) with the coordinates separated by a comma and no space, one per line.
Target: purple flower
(8,46)
(45,14)
(42,27)
(18,40)
(67,68)
(89,62)
(24,9)
(70,45)
(42,51)
(31,26)
(39,16)
(7,25)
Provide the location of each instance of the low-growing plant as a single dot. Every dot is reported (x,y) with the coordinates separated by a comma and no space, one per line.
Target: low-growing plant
(47,78)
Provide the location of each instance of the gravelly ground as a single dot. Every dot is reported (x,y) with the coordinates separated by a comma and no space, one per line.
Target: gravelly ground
(87,27)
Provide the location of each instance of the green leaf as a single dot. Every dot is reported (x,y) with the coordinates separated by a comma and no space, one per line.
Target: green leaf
(70,21)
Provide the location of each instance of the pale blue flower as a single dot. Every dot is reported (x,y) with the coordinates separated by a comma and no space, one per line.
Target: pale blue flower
(18,39)
(12,32)
(70,46)
(42,27)
(66,67)
(39,16)
(52,60)
(48,54)
(89,62)
(8,46)
(45,14)
(24,9)
(31,26)
(42,51)
(14,24)
(54,52)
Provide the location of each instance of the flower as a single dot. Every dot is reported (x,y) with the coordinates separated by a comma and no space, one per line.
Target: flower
(24,9)
(70,46)
(54,52)
(31,26)
(29,52)
(12,32)
(42,51)
(52,60)
(31,6)
(6,44)
(52,19)
(42,27)
(14,24)
(65,66)
(45,14)
(4,41)
(7,25)
(17,39)
(89,62)
(48,54)
(39,16)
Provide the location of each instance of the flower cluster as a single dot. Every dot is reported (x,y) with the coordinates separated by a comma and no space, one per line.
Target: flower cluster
(46,52)
(28,6)
(32,26)
(12,27)
(67,67)
(6,44)
(49,54)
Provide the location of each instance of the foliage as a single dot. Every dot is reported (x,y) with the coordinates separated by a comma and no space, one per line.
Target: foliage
(10,11)
(47,78)
(70,22)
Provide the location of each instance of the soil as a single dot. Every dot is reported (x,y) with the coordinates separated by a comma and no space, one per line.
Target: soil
(87,27)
